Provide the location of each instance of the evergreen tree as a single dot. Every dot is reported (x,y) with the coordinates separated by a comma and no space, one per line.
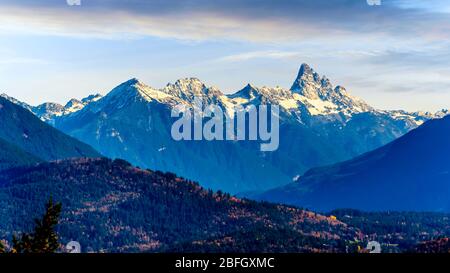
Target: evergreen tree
(44,239)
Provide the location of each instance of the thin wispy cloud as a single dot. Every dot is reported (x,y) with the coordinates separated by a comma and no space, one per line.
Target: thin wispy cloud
(268,54)
(438,6)
(263,20)
(21,61)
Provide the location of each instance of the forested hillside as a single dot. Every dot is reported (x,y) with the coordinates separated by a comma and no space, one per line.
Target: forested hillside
(112,206)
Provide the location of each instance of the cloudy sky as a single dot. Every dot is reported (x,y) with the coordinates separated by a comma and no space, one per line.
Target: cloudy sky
(395,56)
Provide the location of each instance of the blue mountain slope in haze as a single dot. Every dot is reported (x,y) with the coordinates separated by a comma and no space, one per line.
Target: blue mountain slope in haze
(411,173)
(21,129)
(12,156)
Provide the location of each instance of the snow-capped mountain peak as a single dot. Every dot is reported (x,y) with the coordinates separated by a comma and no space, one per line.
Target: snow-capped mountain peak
(246,94)
(188,88)
(441,113)
(48,111)
(132,90)
(307,82)
(15,101)
(74,105)
(319,90)
(251,94)
(310,85)
(185,88)
(91,98)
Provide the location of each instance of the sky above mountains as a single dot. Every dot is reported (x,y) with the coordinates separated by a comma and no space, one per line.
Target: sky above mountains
(394,56)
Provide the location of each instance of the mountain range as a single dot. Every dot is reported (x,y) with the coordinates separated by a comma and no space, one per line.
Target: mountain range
(112,206)
(320,124)
(412,173)
(49,111)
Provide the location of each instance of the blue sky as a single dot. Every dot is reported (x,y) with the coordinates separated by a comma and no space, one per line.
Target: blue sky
(395,56)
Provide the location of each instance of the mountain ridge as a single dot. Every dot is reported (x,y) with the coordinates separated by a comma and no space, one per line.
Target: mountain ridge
(410,173)
(13,156)
(326,126)
(22,128)
(308,84)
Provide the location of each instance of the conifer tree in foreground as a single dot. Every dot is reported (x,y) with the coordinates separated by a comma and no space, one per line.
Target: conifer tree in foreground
(44,239)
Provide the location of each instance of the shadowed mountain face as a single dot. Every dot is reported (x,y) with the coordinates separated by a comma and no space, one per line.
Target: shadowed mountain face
(411,173)
(320,124)
(112,206)
(35,138)
(13,156)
